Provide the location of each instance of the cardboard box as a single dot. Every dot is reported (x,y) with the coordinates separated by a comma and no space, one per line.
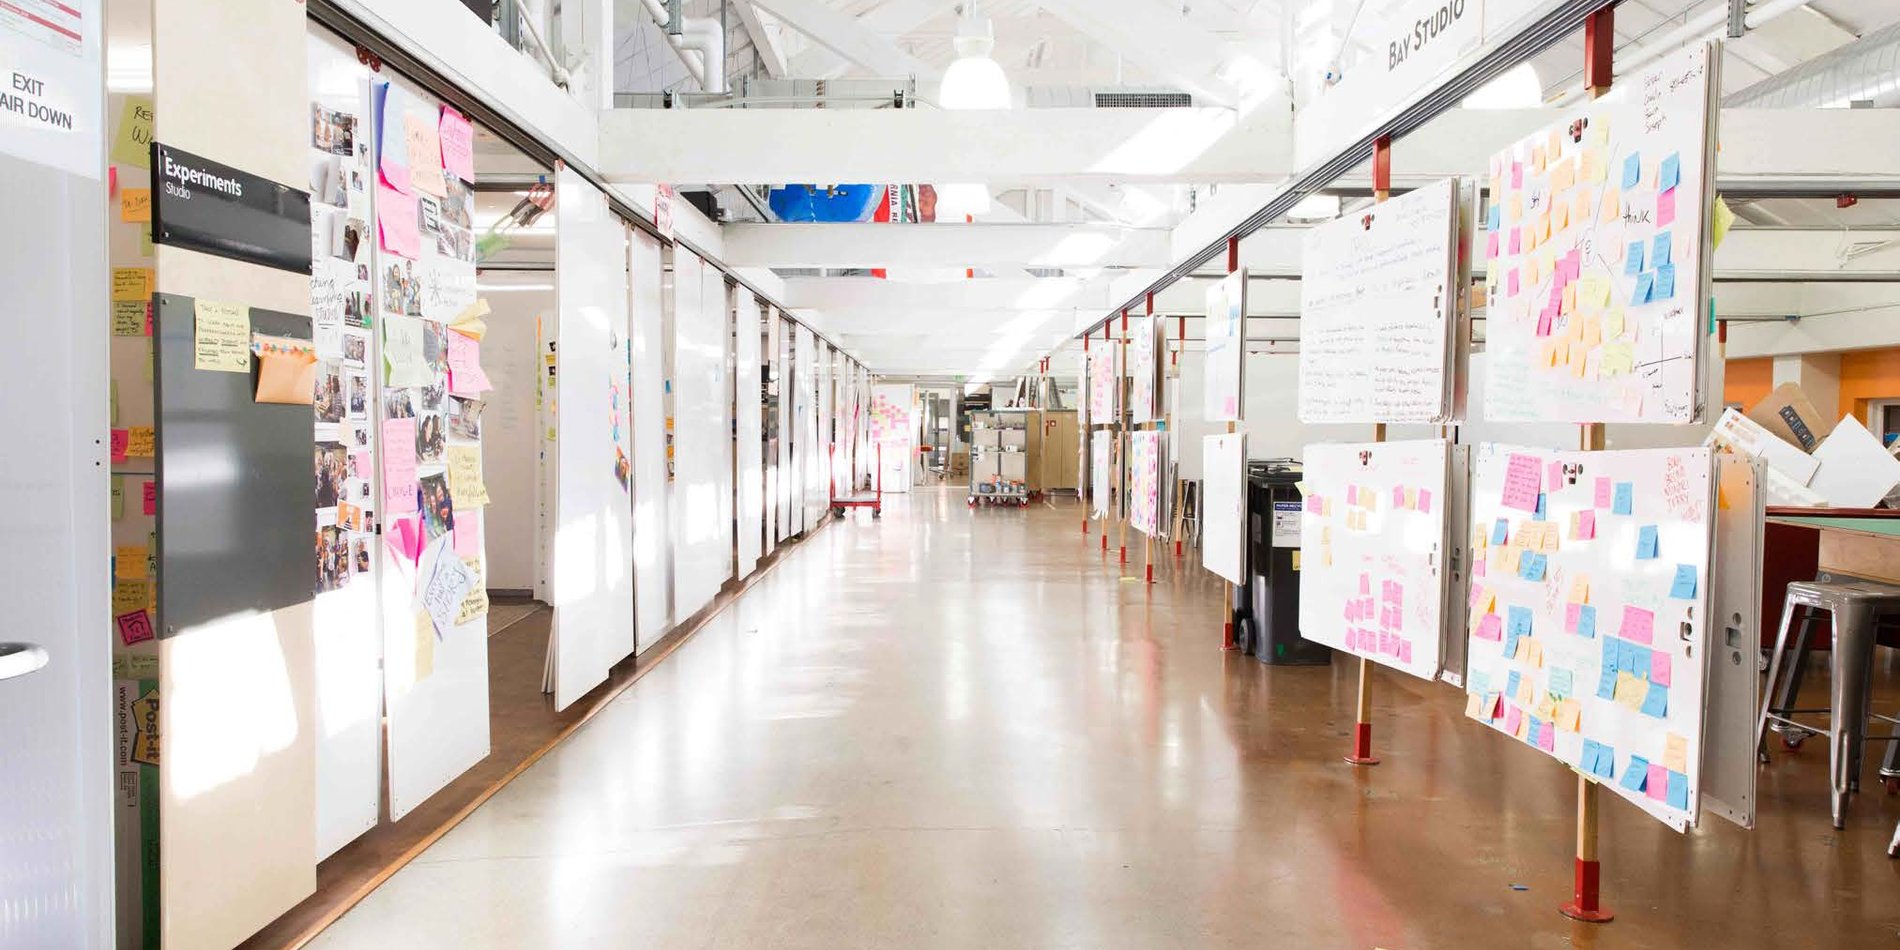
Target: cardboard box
(135,800)
(1792,418)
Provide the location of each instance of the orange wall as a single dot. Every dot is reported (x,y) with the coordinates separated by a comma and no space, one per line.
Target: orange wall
(1867,374)
(1746,382)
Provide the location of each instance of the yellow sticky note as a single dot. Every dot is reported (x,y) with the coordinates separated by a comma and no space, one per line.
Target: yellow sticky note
(1721,218)
(1569,715)
(1612,207)
(141,442)
(1296,559)
(223,337)
(1598,130)
(1554,146)
(1580,589)
(1514,210)
(1563,175)
(1486,601)
(128,562)
(1524,693)
(1473,705)
(131,283)
(1593,167)
(1534,651)
(1537,157)
(425,646)
(1675,753)
(465,476)
(1631,691)
(118,498)
(475,604)
(133,143)
(129,595)
(1569,301)
(1559,216)
(1592,332)
(135,204)
(1613,323)
(128,317)
(1546,707)
(1542,225)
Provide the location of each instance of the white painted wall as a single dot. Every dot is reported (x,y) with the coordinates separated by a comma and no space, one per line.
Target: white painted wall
(510,444)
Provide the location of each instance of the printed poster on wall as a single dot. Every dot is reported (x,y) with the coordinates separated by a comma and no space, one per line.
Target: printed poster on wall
(1597,241)
(1588,621)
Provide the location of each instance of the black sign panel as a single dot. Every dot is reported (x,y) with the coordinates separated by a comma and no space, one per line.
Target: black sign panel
(211,207)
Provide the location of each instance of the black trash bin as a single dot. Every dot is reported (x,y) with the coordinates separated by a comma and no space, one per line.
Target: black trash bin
(1267,612)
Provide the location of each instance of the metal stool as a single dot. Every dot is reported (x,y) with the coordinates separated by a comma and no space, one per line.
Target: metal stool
(1854,606)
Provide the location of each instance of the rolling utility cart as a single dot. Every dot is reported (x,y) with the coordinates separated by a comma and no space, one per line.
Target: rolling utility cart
(873,499)
(999,460)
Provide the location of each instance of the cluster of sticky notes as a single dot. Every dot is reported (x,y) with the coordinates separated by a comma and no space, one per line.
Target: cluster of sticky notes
(1597,759)
(1412,499)
(133,442)
(1657,781)
(1636,677)
(132,592)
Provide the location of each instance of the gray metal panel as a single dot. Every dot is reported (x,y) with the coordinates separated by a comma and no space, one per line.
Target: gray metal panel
(236,482)
(1451,657)
(1733,703)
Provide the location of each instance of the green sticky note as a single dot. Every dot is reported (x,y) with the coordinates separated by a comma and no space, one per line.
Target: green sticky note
(114,419)
(132,145)
(118,498)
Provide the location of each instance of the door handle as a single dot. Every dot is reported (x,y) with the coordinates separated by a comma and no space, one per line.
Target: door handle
(19,659)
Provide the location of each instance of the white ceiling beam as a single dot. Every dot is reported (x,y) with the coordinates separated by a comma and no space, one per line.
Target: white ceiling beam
(846,36)
(889,19)
(1161,41)
(767,38)
(953,246)
(835,294)
(1012,147)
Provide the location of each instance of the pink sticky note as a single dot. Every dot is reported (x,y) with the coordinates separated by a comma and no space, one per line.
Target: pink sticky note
(1512,717)
(1547,737)
(1586,524)
(1477,568)
(1511,281)
(1517,241)
(151,498)
(135,626)
(1517,174)
(1313,505)
(1556,477)
(468,532)
(1639,625)
(1573,265)
(1657,785)
(1491,246)
(466,377)
(360,463)
(1545,318)
(1603,493)
(1352,494)
(1661,667)
(398,219)
(1572,611)
(458,144)
(1490,627)
(412,537)
(1425,501)
(1405,651)
(1521,483)
(1666,208)
(120,439)
(1365,584)
(399,466)
(1398,497)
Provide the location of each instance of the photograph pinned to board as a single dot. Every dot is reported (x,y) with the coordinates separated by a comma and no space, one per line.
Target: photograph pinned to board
(329,392)
(1587,629)
(1597,245)
(332,469)
(465,418)
(333,559)
(1379,311)
(429,437)
(1373,543)
(438,505)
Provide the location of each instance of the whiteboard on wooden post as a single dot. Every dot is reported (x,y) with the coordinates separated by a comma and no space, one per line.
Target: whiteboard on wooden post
(1588,628)
(1145,448)
(1379,304)
(1224,505)
(1222,374)
(1373,551)
(1597,242)
(1144,369)
(1103,385)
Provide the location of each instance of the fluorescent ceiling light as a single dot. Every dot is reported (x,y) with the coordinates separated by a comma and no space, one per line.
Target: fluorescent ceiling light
(1518,88)
(1318,207)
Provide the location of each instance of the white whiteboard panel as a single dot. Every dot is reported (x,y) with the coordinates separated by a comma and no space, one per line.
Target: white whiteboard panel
(1103,383)
(774,413)
(1225,353)
(1596,241)
(1101,472)
(750,470)
(1144,481)
(807,448)
(592,570)
(1143,370)
(716,309)
(818,464)
(702,484)
(1372,551)
(1378,302)
(1614,577)
(652,590)
(1224,506)
(784,340)
(892,433)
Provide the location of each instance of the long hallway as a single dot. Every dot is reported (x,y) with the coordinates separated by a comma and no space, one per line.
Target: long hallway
(958,729)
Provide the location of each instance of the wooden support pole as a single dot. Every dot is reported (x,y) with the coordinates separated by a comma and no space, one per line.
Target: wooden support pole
(1154,396)
(1180,323)
(1087,440)
(1362,724)
(1227,590)
(1122,413)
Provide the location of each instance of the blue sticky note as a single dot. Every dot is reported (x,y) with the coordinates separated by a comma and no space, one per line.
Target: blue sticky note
(1679,791)
(1646,543)
(1632,170)
(1531,566)
(1518,622)
(1633,261)
(1645,285)
(1501,531)
(1625,659)
(1496,219)
(1560,682)
(1670,175)
(1636,773)
(1660,255)
(1606,762)
(1656,703)
(1665,288)
(1625,501)
(1478,682)
(1511,683)
(1587,622)
(1530,734)
(1588,760)
(1538,515)
(1510,645)
(1606,681)
(1684,586)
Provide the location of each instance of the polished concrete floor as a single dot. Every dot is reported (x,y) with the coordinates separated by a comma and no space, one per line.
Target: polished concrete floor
(966,729)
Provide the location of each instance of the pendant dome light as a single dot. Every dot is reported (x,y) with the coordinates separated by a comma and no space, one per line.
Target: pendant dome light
(974,81)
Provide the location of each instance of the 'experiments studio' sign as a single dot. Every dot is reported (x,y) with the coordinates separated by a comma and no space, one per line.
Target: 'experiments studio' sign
(211,207)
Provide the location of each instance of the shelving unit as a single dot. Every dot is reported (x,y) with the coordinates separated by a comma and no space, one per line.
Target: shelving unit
(999,458)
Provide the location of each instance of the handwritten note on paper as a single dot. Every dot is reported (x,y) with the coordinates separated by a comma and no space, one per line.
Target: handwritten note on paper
(1376,314)
(135,627)
(1522,486)
(402,352)
(1638,625)
(141,442)
(425,154)
(457,135)
(465,476)
(132,283)
(131,318)
(401,488)
(466,377)
(475,604)
(222,337)
(132,144)
(135,205)
(398,219)
(447,586)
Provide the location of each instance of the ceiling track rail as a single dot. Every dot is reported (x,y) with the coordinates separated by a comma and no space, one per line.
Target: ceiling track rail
(1553,27)
(343,18)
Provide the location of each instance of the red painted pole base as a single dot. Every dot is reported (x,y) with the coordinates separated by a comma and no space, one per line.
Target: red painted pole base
(1362,745)
(1584,906)
(1085,526)
(1177,549)
(1151,573)
(1124,554)
(1104,544)
(1227,636)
